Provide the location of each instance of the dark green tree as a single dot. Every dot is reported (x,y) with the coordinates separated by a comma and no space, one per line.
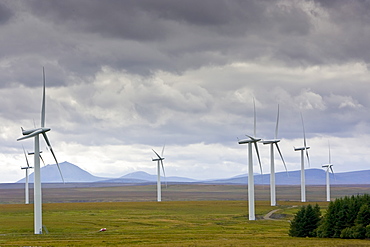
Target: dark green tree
(296,225)
(305,222)
(363,216)
(347,217)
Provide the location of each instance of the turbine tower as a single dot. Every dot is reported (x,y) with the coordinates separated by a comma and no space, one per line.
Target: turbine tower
(328,167)
(26,190)
(303,149)
(252,140)
(272,165)
(37,178)
(159,160)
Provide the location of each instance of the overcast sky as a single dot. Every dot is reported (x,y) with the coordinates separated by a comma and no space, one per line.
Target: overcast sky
(124,77)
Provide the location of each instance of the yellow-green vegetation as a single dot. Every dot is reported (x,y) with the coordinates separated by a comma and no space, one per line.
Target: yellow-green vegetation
(175,223)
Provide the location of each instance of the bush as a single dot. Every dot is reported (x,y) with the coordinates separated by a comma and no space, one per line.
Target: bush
(357,231)
(367,234)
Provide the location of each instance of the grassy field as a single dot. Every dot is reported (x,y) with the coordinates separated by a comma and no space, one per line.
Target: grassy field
(185,223)
(189,215)
(174,192)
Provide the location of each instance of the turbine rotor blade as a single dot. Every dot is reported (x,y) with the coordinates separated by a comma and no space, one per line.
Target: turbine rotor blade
(42,159)
(304,132)
(28,164)
(277,124)
(331,168)
(52,152)
(164,174)
(254,114)
(258,156)
(43,100)
(329,153)
(305,142)
(163,150)
(277,147)
(157,154)
(332,172)
(308,158)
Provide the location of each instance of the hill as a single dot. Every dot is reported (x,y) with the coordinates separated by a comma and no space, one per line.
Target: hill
(312,177)
(71,174)
(74,174)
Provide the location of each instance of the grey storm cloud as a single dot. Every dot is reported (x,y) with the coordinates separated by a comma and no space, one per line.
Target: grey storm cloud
(144,36)
(5,14)
(132,74)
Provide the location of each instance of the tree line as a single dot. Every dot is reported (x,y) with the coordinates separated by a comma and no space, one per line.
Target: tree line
(347,217)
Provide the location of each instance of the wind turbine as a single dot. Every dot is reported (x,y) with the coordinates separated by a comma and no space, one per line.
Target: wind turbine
(303,149)
(37,178)
(26,190)
(252,140)
(328,167)
(32,153)
(159,163)
(272,167)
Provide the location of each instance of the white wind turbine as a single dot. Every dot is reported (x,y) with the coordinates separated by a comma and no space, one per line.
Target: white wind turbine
(328,167)
(302,149)
(26,190)
(37,178)
(32,153)
(252,140)
(272,167)
(159,163)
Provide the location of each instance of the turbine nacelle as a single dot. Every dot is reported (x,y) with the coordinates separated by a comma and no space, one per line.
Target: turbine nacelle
(301,148)
(32,153)
(328,167)
(270,141)
(26,167)
(38,130)
(245,141)
(250,140)
(156,159)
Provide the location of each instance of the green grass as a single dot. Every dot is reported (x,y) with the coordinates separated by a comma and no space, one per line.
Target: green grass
(174,223)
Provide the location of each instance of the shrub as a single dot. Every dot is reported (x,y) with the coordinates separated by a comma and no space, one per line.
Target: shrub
(367,234)
(357,231)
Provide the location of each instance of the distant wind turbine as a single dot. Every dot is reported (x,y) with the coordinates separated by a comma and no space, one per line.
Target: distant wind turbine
(32,153)
(37,176)
(328,167)
(159,160)
(26,190)
(272,167)
(303,149)
(252,140)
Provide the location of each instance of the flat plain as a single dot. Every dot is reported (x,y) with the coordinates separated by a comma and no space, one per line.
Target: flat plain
(189,215)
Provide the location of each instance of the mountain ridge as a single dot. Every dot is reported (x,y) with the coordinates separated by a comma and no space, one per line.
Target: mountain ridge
(314,176)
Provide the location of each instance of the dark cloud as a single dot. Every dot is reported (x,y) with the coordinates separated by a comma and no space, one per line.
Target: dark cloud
(79,37)
(183,72)
(5,13)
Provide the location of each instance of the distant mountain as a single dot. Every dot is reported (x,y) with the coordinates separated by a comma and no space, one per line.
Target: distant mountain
(74,174)
(71,173)
(312,177)
(153,178)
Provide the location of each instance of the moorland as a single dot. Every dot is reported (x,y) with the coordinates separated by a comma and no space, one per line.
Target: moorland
(189,215)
